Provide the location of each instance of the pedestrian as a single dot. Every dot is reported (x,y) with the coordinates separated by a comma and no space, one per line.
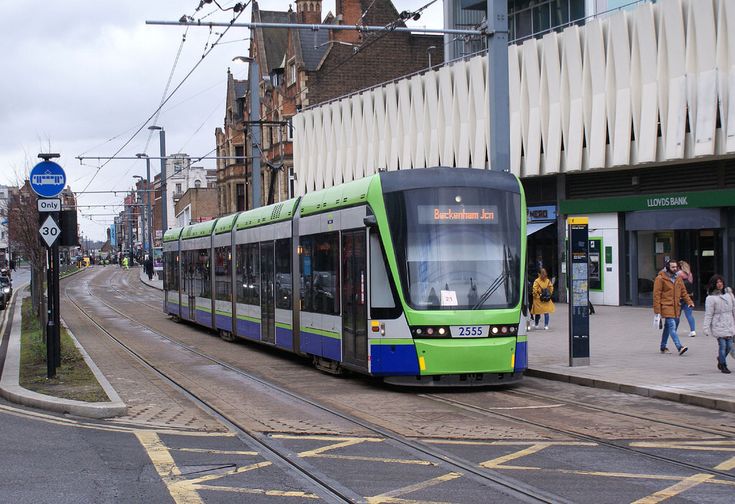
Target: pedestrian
(719,318)
(542,290)
(149,267)
(668,291)
(685,272)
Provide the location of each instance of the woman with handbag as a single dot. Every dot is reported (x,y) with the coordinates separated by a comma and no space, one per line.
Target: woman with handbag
(685,272)
(719,318)
(542,290)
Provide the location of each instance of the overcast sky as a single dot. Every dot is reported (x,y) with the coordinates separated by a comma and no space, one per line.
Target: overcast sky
(81,76)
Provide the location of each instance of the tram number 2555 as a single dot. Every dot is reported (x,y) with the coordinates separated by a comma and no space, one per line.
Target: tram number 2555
(469,331)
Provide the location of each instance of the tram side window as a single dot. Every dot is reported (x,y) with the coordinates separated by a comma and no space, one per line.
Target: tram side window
(283,274)
(172,271)
(381,295)
(186,270)
(223,274)
(201,282)
(248,274)
(320,273)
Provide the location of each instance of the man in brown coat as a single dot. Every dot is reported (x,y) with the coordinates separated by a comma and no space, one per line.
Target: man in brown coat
(668,291)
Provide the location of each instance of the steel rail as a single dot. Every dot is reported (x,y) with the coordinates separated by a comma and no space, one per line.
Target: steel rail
(583,437)
(515,488)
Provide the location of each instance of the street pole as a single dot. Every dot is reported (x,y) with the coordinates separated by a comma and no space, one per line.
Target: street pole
(497,84)
(164,200)
(149,186)
(130,234)
(255,131)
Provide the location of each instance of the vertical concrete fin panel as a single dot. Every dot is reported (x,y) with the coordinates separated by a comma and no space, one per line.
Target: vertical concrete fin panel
(418,118)
(549,102)
(393,122)
(404,123)
(672,78)
(478,129)
(643,75)
(618,88)
(358,140)
(445,115)
(594,78)
(531,95)
(433,130)
(572,118)
(514,80)
(461,116)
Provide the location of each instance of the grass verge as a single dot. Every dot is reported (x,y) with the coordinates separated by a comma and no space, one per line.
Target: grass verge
(74,380)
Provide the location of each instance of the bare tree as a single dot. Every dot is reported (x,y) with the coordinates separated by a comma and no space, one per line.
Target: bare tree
(23,233)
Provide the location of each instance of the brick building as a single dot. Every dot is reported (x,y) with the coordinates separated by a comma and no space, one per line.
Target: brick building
(302,68)
(197,204)
(232,164)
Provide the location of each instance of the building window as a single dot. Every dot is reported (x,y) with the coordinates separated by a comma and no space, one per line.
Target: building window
(178,188)
(240,188)
(533,18)
(291,183)
(289,130)
(292,73)
(197,183)
(239,154)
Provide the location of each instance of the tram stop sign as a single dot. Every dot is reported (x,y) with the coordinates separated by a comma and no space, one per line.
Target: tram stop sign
(47,179)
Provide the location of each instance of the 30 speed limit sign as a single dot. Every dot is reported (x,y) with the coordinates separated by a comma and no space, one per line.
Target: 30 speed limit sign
(49,231)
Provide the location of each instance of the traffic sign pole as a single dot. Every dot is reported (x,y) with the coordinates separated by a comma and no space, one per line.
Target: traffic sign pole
(47,181)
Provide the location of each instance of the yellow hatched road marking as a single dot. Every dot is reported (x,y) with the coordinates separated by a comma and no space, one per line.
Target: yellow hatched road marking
(218,452)
(259,491)
(727,465)
(328,438)
(507,443)
(166,468)
(318,451)
(379,459)
(674,490)
(393,494)
(497,463)
(214,477)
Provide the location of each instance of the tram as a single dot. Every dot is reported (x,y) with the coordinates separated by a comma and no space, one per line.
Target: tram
(414,276)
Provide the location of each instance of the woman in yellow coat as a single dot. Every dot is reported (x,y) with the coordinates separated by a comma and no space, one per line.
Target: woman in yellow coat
(543,288)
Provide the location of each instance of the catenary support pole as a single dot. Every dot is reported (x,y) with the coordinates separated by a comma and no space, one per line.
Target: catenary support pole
(255,129)
(497,84)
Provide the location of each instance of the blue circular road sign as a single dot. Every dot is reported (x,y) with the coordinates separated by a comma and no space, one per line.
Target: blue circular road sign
(47,179)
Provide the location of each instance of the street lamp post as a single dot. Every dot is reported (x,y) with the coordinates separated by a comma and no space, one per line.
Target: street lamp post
(143,217)
(164,201)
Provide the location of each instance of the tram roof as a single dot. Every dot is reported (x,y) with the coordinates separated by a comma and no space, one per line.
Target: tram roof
(198,230)
(172,234)
(332,198)
(225,224)
(268,214)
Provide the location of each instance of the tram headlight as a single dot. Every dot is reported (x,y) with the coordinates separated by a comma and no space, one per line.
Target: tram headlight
(494,330)
(442,331)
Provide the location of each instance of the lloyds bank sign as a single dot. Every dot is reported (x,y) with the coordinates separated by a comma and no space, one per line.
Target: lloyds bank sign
(692,199)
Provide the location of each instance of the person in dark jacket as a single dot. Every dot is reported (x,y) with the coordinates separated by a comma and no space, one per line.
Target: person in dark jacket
(668,291)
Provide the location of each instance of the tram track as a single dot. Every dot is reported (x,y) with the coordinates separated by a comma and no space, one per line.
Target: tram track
(463,465)
(494,480)
(581,437)
(709,431)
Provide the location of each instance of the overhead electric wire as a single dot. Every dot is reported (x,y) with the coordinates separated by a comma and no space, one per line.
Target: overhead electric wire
(163,102)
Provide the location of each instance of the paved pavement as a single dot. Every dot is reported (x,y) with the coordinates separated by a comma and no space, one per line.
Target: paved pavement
(624,356)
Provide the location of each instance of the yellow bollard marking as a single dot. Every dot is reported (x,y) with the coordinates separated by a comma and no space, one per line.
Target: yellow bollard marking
(393,494)
(166,468)
(676,489)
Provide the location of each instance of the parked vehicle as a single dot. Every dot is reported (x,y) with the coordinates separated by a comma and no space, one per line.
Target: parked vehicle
(6,291)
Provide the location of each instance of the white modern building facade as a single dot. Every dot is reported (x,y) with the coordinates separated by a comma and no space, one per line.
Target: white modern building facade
(180,177)
(628,119)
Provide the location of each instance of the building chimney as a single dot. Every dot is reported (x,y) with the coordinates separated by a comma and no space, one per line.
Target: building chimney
(309,11)
(349,12)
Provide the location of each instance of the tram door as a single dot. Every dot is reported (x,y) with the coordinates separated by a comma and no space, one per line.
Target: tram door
(267,300)
(354,297)
(189,283)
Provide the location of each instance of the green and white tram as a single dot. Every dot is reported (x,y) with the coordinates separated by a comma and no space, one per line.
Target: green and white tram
(415,276)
